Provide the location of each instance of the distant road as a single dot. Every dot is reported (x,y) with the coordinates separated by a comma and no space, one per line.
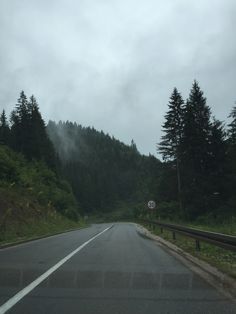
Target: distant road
(102,270)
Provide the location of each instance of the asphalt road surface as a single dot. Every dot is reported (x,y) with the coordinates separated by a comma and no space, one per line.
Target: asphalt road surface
(118,271)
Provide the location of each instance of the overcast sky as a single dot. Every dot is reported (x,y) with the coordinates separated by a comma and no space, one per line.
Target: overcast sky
(113,64)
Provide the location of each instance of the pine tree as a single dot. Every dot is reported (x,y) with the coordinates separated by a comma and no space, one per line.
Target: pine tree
(232,127)
(169,147)
(217,167)
(36,129)
(4,129)
(133,146)
(231,152)
(173,127)
(40,145)
(29,135)
(197,130)
(20,119)
(195,146)
(217,147)
(15,131)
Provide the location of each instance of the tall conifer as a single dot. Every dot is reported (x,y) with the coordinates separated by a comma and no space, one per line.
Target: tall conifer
(232,127)
(195,148)
(20,119)
(232,149)
(169,147)
(4,129)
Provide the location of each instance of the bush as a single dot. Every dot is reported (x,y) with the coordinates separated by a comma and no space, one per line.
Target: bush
(169,210)
(35,181)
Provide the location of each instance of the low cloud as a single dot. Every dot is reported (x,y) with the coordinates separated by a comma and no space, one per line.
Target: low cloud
(113,65)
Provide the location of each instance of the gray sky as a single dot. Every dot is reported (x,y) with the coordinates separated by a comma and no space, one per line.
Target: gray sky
(113,64)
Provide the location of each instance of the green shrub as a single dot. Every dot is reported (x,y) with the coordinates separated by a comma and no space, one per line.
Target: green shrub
(35,182)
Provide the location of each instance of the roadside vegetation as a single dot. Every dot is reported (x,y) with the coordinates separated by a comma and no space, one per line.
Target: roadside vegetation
(224,260)
(106,175)
(199,170)
(33,200)
(198,175)
(67,171)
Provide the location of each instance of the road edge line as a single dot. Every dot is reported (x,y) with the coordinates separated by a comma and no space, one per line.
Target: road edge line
(23,241)
(22,293)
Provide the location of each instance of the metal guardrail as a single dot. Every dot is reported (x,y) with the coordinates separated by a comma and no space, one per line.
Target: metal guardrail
(218,239)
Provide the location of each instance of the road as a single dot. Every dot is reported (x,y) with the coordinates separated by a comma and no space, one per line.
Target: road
(119,271)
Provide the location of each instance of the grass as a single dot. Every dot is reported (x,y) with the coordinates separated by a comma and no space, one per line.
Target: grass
(23,217)
(224,260)
(33,228)
(227,228)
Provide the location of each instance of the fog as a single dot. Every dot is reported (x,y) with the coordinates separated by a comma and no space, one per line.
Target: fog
(113,64)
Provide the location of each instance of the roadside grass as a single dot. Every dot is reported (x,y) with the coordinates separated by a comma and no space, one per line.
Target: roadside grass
(222,259)
(22,217)
(226,228)
(34,228)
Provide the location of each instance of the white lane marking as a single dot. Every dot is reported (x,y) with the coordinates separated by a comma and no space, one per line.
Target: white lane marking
(21,294)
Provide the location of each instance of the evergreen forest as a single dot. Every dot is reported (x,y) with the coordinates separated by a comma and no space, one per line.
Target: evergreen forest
(199,153)
(80,171)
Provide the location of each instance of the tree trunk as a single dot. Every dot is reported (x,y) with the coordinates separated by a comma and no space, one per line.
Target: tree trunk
(179,184)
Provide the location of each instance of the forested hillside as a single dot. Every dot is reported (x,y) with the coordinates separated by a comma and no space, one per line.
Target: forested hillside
(79,170)
(34,199)
(105,174)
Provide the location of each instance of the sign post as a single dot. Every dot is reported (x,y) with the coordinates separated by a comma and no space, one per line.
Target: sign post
(152,206)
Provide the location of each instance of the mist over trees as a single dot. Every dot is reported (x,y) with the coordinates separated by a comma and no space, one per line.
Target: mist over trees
(105,174)
(29,186)
(197,177)
(199,157)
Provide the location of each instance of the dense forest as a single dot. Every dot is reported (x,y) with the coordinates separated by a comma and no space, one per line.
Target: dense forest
(26,132)
(30,188)
(105,174)
(93,172)
(199,155)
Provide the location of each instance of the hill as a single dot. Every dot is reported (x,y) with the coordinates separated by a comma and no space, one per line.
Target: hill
(33,199)
(105,174)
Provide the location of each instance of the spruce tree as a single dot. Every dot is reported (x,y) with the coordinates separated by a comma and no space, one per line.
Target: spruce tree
(28,130)
(232,127)
(217,168)
(217,147)
(40,145)
(4,129)
(173,127)
(197,130)
(20,120)
(195,148)
(231,154)
(169,147)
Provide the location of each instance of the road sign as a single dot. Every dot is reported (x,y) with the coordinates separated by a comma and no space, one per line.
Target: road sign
(151,204)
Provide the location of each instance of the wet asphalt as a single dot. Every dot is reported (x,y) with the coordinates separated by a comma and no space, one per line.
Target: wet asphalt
(118,272)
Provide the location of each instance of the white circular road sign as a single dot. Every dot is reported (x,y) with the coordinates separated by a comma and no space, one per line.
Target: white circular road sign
(151,204)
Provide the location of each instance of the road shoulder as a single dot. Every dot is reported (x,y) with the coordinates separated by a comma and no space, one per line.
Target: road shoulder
(222,282)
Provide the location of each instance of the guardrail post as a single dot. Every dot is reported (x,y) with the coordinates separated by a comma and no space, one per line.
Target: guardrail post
(217,239)
(198,248)
(173,235)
